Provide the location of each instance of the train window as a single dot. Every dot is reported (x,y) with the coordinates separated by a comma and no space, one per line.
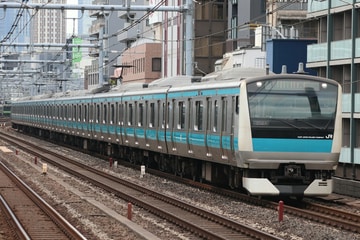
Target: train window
(209,114)
(216,116)
(141,115)
(237,104)
(97,119)
(74,113)
(199,109)
(112,114)
(163,120)
(80,114)
(130,114)
(152,115)
(121,114)
(85,113)
(91,113)
(181,115)
(105,114)
(65,112)
(224,115)
(167,119)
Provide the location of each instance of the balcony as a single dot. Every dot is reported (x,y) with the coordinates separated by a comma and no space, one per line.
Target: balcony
(128,35)
(339,50)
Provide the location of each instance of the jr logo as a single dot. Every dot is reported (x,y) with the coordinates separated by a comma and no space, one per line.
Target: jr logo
(329,136)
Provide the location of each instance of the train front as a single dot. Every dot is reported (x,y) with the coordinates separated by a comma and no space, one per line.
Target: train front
(289,135)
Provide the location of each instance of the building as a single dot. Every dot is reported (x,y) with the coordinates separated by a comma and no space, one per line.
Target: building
(168,30)
(49,25)
(143,61)
(243,15)
(337,56)
(289,13)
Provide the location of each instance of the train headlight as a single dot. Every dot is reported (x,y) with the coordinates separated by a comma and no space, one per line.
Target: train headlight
(324,85)
(259,84)
(292,171)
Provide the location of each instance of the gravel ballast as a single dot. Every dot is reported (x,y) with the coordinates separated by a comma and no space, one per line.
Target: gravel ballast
(72,198)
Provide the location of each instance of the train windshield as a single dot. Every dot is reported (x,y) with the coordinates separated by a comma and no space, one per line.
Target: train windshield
(279,106)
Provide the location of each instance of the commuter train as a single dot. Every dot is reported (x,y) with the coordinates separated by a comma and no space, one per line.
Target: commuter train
(5,109)
(270,134)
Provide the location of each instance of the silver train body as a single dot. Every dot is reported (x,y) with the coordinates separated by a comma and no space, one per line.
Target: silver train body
(270,134)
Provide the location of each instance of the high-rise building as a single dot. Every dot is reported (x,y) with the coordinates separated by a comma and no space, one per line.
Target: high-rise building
(49,25)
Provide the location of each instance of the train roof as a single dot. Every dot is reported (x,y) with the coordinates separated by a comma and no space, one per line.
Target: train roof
(224,77)
(235,74)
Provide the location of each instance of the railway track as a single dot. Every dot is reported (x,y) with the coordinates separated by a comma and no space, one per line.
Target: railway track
(28,215)
(308,210)
(314,212)
(202,223)
(331,216)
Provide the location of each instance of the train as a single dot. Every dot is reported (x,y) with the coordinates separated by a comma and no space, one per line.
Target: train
(268,134)
(5,109)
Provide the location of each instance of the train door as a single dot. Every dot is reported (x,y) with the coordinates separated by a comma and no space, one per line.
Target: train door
(161,125)
(129,123)
(62,116)
(112,121)
(170,126)
(139,133)
(91,119)
(208,121)
(103,119)
(83,118)
(121,119)
(86,120)
(107,120)
(79,124)
(197,129)
(97,120)
(180,127)
(213,135)
(226,136)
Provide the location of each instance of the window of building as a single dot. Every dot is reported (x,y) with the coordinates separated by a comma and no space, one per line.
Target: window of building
(156,64)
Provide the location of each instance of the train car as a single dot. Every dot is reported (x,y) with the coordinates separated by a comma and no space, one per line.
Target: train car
(5,109)
(271,134)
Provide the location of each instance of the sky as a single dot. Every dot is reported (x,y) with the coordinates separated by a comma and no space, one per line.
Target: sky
(70,22)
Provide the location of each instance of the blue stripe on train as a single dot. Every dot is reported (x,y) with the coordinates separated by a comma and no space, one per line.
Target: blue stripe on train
(291,145)
(213,140)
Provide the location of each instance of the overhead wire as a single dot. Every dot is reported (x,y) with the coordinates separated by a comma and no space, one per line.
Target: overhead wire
(15,23)
(145,16)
